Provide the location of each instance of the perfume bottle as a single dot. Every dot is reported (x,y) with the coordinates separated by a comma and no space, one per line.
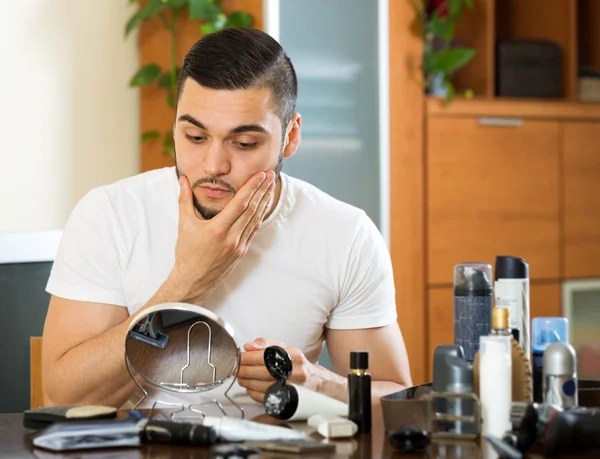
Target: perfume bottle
(521,377)
(359,391)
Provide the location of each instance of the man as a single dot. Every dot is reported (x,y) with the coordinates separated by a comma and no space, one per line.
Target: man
(280,261)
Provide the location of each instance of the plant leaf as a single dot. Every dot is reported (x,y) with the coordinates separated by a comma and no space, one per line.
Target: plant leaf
(441,27)
(165,79)
(153,8)
(239,19)
(205,9)
(146,75)
(168,145)
(449,60)
(207,28)
(176,3)
(149,135)
(454,7)
(171,99)
(449,91)
(469,4)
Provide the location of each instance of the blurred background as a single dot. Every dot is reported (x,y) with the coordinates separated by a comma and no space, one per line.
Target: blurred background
(465,129)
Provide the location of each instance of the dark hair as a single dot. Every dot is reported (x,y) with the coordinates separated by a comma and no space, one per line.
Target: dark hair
(243,58)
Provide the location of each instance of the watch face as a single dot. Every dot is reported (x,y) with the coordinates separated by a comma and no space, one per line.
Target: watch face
(278,363)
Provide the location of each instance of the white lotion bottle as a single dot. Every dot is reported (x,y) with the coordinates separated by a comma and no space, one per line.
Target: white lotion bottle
(290,402)
(296,403)
(495,386)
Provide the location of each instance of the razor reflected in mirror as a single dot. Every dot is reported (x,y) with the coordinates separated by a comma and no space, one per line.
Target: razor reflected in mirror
(182,348)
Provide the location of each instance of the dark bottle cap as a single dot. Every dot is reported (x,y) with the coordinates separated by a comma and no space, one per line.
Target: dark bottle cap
(281,400)
(278,363)
(359,360)
(508,267)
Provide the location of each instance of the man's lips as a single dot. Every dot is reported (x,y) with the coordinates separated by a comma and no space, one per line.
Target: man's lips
(214,193)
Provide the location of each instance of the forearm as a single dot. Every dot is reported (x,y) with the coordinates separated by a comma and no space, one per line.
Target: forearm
(94,371)
(336,386)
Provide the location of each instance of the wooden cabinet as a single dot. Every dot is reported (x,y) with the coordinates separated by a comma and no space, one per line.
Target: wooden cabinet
(492,188)
(544,301)
(581,204)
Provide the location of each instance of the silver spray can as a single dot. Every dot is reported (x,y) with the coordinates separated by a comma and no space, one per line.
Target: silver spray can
(560,375)
(473,300)
(511,290)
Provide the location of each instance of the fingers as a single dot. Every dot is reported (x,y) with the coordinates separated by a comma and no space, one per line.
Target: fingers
(256,396)
(242,200)
(252,358)
(255,384)
(254,223)
(262,343)
(252,215)
(255,372)
(186,200)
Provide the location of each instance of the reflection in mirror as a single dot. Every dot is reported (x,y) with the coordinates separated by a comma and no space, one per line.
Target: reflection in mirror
(182,348)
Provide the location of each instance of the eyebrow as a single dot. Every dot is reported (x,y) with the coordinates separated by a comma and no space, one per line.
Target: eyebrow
(237,130)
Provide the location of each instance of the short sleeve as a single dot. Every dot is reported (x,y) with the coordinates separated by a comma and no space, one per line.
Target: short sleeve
(367,297)
(87,267)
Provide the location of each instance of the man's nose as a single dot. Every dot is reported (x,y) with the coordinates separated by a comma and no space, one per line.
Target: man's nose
(216,161)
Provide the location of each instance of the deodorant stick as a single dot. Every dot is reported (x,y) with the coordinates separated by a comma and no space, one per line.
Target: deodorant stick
(560,375)
(511,290)
(473,298)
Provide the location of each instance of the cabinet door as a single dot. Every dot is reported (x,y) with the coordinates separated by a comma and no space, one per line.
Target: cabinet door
(544,301)
(492,189)
(581,160)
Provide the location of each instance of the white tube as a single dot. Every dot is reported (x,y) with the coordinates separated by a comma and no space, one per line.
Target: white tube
(495,387)
(230,429)
(311,403)
(295,403)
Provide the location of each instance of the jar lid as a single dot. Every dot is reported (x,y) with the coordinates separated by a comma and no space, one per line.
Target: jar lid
(278,363)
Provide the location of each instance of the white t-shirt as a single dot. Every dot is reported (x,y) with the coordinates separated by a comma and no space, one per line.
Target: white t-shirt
(316,262)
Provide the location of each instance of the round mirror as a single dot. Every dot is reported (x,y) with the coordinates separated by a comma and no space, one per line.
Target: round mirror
(182,348)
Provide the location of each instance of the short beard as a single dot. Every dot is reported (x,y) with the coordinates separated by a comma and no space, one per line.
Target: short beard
(208,213)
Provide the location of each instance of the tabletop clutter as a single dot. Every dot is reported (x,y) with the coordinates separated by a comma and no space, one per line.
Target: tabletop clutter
(501,381)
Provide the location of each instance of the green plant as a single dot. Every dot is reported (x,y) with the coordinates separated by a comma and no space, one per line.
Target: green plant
(169,12)
(442,57)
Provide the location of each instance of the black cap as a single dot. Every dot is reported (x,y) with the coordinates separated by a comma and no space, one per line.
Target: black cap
(359,360)
(278,363)
(281,400)
(508,267)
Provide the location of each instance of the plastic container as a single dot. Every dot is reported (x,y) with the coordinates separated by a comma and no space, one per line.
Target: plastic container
(495,388)
(544,332)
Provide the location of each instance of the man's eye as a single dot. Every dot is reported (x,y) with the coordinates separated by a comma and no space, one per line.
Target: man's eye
(193,138)
(245,146)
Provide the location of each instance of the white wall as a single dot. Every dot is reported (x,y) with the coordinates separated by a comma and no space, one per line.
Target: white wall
(68,121)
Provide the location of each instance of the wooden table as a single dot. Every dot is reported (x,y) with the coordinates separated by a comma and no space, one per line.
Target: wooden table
(15,443)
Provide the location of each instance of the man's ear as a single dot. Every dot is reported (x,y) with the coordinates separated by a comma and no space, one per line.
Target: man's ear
(292,136)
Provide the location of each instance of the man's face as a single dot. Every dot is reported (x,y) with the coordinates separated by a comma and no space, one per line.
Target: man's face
(222,138)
